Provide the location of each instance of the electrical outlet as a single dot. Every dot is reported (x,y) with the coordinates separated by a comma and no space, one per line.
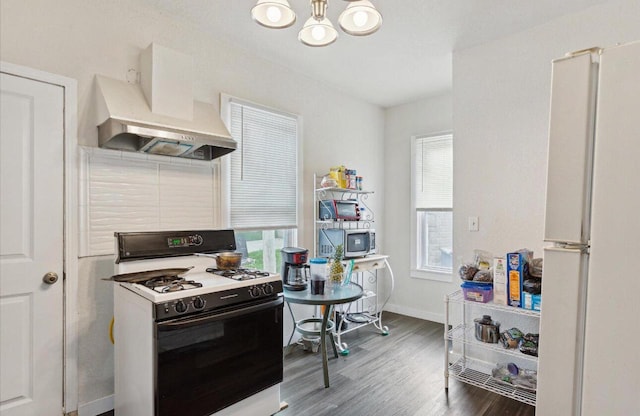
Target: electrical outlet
(473,224)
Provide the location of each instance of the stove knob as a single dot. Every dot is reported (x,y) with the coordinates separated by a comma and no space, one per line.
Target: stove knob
(254,291)
(198,303)
(268,289)
(180,306)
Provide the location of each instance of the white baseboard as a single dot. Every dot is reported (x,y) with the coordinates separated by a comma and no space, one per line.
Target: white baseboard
(415,313)
(96,407)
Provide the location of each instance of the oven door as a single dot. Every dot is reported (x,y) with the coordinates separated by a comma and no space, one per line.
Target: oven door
(210,361)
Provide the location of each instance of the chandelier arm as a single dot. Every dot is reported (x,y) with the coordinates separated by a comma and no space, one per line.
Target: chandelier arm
(318,9)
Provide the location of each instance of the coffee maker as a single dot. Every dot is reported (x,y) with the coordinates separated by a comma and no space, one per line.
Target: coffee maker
(295,270)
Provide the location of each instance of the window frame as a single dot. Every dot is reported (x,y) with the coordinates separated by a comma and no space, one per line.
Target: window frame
(430,273)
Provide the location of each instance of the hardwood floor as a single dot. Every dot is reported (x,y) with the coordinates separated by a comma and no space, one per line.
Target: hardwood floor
(399,374)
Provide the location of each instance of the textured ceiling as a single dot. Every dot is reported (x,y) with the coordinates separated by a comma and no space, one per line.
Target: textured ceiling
(407,59)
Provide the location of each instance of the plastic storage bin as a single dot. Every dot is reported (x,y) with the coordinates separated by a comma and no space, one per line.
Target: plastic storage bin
(477,292)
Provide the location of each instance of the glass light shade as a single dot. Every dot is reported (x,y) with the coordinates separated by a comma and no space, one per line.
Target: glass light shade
(360,18)
(317,33)
(275,14)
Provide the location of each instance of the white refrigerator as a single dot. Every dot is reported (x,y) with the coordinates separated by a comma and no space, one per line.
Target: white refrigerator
(589,354)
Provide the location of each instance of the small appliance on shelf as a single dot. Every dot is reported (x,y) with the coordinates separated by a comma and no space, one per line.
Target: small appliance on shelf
(356,242)
(295,270)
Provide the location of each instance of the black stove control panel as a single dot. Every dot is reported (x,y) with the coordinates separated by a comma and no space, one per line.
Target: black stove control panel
(209,302)
(161,244)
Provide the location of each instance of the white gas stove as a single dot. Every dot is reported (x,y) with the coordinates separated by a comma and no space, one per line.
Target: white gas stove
(182,339)
(198,283)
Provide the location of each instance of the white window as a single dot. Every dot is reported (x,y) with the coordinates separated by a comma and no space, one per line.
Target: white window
(432,196)
(262,181)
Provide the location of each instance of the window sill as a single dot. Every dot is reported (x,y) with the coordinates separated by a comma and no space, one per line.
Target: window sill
(437,276)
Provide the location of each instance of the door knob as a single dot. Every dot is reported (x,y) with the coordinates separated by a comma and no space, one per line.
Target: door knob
(50,278)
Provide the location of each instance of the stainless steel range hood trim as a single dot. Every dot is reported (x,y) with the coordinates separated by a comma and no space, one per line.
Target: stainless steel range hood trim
(131,136)
(126,122)
(113,127)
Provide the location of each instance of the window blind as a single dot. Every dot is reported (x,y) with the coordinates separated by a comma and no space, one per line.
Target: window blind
(264,168)
(434,172)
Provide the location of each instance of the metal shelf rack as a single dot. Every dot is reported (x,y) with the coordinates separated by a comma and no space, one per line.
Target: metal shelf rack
(476,372)
(368,309)
(479,374)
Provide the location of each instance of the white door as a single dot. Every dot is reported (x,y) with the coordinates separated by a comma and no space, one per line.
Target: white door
(31,245)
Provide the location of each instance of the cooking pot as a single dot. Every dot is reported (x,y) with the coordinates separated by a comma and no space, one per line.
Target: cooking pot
(487,330)
(228,260)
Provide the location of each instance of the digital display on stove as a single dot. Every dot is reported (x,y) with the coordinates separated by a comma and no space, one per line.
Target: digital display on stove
(177,242)
(188,241)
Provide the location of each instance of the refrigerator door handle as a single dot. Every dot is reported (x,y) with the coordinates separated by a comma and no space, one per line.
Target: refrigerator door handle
(568,247)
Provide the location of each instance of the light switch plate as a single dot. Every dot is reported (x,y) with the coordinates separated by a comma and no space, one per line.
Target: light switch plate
(473,224)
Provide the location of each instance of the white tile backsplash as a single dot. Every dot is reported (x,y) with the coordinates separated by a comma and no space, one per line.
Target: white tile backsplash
(123,192)
(122,171)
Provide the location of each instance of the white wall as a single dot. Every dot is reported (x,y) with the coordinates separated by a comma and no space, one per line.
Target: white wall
(79,38)
(427,116)
(500,124)
(501,114)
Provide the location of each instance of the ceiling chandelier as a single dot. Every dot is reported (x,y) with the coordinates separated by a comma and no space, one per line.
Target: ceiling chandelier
(359,18)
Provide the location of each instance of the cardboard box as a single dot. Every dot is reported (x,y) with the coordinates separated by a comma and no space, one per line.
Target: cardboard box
(531,302)
(500,280)
(515,278)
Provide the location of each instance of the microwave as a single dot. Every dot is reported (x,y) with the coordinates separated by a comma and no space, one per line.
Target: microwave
(355,243)
(339,209)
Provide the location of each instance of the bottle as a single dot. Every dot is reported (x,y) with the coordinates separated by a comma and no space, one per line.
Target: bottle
(353,179)
(359,183)
(335,174)
(343,177)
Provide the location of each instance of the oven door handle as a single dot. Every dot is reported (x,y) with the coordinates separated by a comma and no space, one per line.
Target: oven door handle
(192,321)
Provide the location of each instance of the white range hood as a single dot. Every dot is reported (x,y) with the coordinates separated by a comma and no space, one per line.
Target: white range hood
(159,115)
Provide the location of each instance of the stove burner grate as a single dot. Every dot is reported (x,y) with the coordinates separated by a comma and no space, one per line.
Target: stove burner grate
(166,284)
(239,274)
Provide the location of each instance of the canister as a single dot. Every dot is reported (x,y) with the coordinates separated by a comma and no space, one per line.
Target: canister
(487,330)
